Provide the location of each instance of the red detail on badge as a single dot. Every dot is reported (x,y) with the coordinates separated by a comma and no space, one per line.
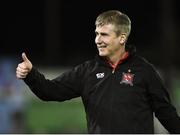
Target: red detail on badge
(127,78)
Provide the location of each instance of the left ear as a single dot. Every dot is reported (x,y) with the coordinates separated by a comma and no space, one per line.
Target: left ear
(122,38)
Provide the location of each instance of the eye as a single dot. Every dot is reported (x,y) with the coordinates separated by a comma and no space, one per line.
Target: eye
(96,33)
(104,34)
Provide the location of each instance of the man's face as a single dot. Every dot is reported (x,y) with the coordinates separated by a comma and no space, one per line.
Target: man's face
(108,43)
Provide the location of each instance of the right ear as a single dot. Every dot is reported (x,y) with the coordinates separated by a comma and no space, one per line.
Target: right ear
(122,38)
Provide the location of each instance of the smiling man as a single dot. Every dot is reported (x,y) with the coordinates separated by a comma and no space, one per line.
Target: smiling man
(111,37)
(120,90)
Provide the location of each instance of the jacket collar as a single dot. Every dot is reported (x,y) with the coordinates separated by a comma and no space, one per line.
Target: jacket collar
(130,49)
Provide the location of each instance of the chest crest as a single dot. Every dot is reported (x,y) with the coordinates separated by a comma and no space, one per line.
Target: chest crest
(127,78)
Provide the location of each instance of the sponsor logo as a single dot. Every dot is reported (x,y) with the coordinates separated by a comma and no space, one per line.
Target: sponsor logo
(99,75)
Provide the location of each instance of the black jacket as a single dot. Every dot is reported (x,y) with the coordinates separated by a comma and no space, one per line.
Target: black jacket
(119,102)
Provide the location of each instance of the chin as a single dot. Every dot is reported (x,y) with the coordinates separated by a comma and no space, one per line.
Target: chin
(102,54)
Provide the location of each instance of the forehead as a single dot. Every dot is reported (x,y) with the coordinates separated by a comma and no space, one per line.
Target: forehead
(105,28)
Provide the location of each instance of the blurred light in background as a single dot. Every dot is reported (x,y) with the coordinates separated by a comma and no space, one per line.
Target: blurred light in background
(12,100)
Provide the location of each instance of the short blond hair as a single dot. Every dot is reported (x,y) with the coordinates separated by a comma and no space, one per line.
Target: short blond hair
(120,20)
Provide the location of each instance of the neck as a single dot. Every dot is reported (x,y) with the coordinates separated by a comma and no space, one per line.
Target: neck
(114,59)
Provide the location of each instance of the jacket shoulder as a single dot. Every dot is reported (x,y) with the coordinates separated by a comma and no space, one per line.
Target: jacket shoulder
(87,65)
(144,62)
(147,66)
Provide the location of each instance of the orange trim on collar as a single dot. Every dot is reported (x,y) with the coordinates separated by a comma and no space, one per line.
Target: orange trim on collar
(124,57)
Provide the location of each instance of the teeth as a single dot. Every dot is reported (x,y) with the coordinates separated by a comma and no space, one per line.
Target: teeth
(102,46)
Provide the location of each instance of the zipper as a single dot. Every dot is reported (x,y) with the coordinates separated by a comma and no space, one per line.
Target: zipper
(113,71)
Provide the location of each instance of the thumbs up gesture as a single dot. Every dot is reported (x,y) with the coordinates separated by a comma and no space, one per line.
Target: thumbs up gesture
(24,67)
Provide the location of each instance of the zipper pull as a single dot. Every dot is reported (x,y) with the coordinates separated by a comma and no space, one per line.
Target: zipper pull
(113,71)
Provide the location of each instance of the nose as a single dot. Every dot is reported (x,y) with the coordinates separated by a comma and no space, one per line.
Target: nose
(98,39)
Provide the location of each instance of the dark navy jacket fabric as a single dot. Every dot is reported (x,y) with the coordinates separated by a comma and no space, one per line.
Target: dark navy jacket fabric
(115,102)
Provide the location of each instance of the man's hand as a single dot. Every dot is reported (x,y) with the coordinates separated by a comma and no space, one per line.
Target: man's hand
(23,68)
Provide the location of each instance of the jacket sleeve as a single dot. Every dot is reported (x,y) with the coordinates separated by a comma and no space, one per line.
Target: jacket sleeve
(161,104)
(66,86)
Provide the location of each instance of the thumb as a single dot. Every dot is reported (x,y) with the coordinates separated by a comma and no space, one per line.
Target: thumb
(24,57)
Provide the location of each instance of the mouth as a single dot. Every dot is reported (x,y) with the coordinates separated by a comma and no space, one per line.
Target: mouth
(102,46)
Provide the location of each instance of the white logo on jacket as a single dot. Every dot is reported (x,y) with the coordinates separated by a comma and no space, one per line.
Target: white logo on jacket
(100,75)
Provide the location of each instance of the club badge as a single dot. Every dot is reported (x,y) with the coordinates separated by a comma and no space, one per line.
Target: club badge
(127,78)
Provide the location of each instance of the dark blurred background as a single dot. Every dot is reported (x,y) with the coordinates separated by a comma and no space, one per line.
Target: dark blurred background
(60,33)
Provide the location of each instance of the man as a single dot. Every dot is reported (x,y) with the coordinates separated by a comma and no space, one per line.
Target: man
(120,90)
